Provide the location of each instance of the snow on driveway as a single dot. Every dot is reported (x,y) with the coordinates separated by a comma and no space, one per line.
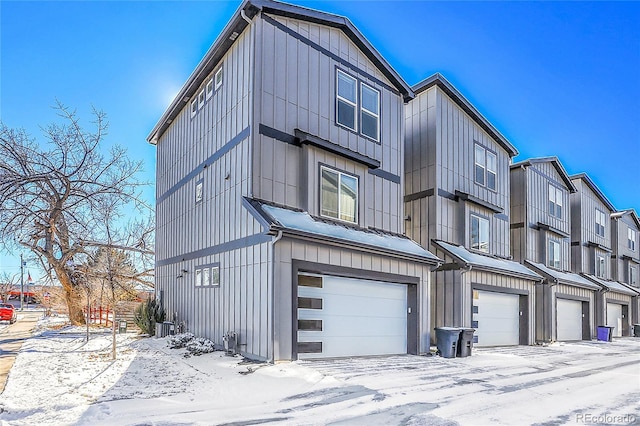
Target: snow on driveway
(60,379)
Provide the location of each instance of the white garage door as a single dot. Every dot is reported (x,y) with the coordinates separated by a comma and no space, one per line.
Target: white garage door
(339,317)
(497,317)
(568,320)
(614,318)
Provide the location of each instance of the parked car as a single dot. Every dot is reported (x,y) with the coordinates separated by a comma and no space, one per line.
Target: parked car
(8,313)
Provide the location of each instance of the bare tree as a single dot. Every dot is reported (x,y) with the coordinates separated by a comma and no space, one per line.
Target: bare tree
(7,283)
(51,195)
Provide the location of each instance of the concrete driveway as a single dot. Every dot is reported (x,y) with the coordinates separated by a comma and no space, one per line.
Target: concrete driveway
(11,339)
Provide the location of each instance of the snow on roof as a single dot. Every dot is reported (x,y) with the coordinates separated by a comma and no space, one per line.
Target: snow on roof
(302,221)
(481,261)
(613,286)
(564,277)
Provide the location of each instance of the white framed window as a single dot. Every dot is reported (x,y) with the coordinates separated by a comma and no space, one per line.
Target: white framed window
(194,107)
(198,277)
(218,77)
(205,277)
(199,191)
(600,266)
(338,195)
(555,201)
(554,254)
(209,89)
(479,233)
(633,276)
(346,100)
(632,236)
(201,99)
(215,275)
(486,166)
(600,222)
(358,111)
(370,112)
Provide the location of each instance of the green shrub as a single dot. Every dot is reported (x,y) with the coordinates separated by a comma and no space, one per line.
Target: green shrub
(147,315)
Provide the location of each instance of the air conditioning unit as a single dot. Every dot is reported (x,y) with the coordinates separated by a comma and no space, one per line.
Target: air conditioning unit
(230,342)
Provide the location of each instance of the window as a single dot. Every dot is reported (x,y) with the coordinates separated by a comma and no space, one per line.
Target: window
(338,195)
(555,201)
(201,98)
(600,266)
(218,78)
(194,107)
(485,167)
(479,233)
(208,275)
(554,254)
(600,222)
(199,191)
(631,239)
(370,113)
(209,89)
(348,109)
(633,275)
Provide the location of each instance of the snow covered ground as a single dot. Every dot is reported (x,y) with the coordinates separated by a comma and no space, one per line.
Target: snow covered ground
(60,379)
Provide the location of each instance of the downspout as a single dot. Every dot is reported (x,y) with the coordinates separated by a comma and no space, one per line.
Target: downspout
(466,269)
(273,292)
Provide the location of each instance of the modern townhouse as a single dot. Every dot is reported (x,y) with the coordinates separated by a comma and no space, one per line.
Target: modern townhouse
(457,201)
(625,258)
(279,194)
(591,254)
(540,239)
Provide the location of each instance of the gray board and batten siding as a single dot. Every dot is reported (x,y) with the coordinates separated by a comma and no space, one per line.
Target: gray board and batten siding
(586,243)
(626,247)
(440,139)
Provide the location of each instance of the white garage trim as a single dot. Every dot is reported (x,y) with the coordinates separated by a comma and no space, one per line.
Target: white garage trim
(340,317)
(568,320)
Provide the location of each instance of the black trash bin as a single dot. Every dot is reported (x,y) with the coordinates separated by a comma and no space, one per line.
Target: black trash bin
(636,330)
(447,341)
(465,342)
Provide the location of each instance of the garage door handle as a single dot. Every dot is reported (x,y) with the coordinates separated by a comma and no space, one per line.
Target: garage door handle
(408,310)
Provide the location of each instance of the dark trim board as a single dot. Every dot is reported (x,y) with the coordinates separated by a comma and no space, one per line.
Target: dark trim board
(419,195)
(244,242)
(385,175)
(572,297)
(301,266)
(206,163)
(523,306)
(306,138)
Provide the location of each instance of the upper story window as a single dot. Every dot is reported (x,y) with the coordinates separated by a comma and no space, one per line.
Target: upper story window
(633,275)
(599,266)
(194,107)
(631,239)
(207,275)
(350,108)
(218,78)
(485,167)
(199,191)
(479,233)
(555,201)
(209,89)
(554,254)
(338,195)
(600,222)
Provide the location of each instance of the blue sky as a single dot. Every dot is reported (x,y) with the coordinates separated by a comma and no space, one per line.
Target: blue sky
(556,78)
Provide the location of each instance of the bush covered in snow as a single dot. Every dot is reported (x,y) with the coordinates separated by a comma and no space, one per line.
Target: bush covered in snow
(200,345)
(179,340)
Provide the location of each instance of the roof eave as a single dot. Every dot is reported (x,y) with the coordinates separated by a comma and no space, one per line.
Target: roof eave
(438,79)
(585,177)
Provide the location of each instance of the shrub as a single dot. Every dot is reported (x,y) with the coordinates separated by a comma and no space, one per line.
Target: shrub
(179,340)
(147,315)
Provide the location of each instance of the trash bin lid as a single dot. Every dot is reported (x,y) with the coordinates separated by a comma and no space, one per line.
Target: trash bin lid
(448,328)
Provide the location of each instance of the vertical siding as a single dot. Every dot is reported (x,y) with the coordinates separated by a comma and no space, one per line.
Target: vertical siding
(519,209)
(567,290)
(619,241)
(295,89)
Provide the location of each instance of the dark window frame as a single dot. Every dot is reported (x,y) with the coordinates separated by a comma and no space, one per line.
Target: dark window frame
(358,107)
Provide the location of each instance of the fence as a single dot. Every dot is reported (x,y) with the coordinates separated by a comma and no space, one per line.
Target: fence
(99,315)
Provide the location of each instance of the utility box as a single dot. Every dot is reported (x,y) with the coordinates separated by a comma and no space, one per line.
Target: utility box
(122,327)
(163,328)
(230,342)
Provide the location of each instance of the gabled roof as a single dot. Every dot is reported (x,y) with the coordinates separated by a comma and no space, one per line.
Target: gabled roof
(298,223)
(614,286)
(556,164)
(594,188)
(630,212)
(438,79)
(487,263)
(237,24)
(561,277)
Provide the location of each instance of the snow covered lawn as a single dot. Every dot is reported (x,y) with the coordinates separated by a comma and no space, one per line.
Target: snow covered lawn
(60,379)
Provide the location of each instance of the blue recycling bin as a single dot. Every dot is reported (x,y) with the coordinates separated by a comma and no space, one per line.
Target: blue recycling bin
(605,333)
(447,341)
